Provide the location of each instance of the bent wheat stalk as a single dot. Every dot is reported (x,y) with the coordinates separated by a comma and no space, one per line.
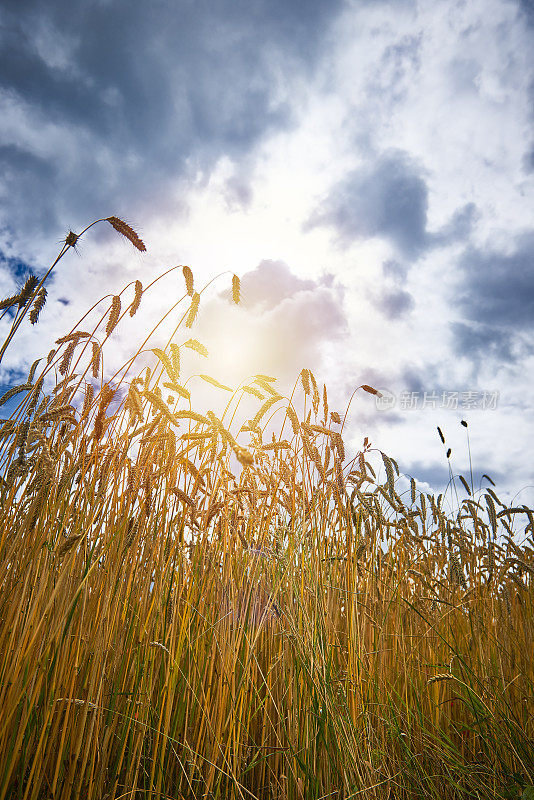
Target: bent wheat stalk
(70,241)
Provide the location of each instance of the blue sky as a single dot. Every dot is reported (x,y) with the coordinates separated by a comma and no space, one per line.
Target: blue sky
(365,167)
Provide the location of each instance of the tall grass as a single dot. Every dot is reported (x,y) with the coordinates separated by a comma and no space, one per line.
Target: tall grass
(189,611)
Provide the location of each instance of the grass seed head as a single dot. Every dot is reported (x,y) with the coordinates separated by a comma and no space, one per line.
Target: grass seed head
(189,282)
(127,231)
(137,298)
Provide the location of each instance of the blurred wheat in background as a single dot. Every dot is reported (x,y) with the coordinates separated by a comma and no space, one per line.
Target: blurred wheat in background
(189,610)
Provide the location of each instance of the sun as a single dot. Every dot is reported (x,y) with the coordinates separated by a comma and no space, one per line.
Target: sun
(238,349)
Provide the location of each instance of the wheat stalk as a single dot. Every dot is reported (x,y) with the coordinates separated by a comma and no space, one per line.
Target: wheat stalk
(38,305)
(136,302)
(193,310)
(189,283)
(114,314)
(127,231)
(236,289)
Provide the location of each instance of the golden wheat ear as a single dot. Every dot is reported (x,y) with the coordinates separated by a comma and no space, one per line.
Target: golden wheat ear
(188,277)
(236,289)
(27,290)
(38,305)
(9,301)
(126,231)
(137,298)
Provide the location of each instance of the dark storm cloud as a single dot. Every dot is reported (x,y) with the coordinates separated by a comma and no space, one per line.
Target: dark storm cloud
(482,342)
(527,8)
(499,287)
(130,96)
(388,199)
(29,179)
(497,301)
(528,160)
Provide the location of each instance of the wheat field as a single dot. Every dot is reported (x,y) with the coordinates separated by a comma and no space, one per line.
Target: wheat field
(194,608)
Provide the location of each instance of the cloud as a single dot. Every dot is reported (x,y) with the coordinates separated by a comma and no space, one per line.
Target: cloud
(111,100)
(394,303)
(457,229)
(387,199)
(527,9)
(437,477)
(497,301)
(29,176)
(13,273)
(271,283)
(395,270)
(528,159)
(400,61)
(283,324)
(434,475)
(483,343)
(499,287)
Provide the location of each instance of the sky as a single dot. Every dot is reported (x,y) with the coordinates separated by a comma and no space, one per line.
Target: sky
(366,168)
